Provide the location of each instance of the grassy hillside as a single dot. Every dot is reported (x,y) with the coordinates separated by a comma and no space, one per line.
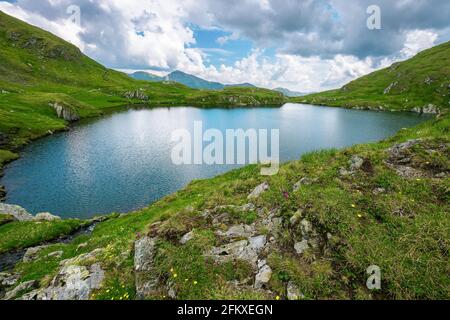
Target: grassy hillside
(412,84)
(38,68)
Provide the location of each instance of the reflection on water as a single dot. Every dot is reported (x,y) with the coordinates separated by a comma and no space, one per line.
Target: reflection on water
(122,162)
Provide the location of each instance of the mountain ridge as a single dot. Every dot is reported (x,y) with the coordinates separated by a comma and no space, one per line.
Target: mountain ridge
(188,80)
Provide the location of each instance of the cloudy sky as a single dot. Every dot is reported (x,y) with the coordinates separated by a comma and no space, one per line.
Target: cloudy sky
(302,45)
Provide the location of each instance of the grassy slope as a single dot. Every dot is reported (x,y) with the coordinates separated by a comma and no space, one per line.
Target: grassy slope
(37,67)
(418,82)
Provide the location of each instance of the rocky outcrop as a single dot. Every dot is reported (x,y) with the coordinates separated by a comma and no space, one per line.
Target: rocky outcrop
(19,213)
(146,279)
(73,282)
(8,279)
(65,112)
(136,95)
(10,295)
(45,216)
(76,280)
(428,109)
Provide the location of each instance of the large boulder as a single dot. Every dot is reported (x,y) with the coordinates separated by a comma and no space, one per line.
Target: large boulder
(17,212)
(74,282)
(65,112)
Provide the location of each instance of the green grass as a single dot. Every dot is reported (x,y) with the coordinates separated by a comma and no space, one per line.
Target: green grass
(5,218)
(18,235)
(417,82)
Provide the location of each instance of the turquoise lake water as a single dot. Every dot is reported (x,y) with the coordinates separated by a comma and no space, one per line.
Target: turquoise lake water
(122,162)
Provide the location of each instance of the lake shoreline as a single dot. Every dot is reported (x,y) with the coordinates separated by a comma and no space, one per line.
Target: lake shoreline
(125,108)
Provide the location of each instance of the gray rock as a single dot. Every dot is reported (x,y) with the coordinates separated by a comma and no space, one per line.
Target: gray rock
(187,237)
(301,247)
(304,182)
(146,279)
(239,231)
(263,277)
(306,227)
(20,288)
(32,253)
(239,250)
(65,112)
(8,280)
(45,216)
(136,94)
(293,292)
(17,212)
(74,282)
(258,243)
(259,190)
(295,218)
(356,162)
(378,191)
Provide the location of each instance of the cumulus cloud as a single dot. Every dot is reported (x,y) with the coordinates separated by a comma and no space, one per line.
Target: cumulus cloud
(319,44)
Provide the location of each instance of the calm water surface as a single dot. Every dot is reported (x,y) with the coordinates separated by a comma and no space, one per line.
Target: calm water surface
(122,162)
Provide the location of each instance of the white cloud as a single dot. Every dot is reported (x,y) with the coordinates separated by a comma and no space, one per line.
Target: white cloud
(137,34)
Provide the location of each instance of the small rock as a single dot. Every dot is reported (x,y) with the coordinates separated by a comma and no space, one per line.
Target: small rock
(293,293)
(301,246)
(8,280)
(239,231)
(56,254)
(45,216)
(441,175)
(378,191)
(32,253)
(295,218)
(21,287)
(187,237)
(263,277)
(306,227)
(303,182)
(82,246)
(248,207)
(259,190)
(356,163)
(258,243)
